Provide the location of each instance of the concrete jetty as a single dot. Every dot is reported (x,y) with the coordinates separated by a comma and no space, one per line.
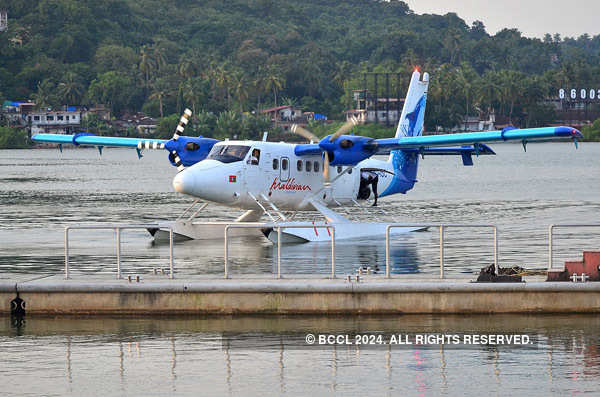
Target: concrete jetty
(373,294)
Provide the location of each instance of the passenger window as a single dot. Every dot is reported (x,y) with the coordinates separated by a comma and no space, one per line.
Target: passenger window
(284,164)
(275,164)
(308,166)
(299,165)
(316,166)
(339,169)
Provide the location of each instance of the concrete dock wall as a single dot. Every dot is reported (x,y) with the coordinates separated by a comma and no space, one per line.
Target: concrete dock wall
(312,296)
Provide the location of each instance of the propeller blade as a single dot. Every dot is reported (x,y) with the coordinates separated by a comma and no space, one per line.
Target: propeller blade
(150,145)
(326,179)
(344,128)
(296,129)
(183,121)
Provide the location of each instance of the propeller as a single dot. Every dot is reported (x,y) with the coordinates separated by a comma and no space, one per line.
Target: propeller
(347,126)
(183,121)
(157,145)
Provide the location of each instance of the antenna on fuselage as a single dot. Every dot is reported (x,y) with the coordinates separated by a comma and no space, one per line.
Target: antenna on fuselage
(265,134)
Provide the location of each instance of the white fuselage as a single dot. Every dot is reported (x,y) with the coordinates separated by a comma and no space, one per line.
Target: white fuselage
(279,176)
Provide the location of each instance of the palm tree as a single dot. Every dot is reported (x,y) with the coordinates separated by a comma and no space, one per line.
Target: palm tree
(43,96)
(187,69)
(147,65)
(159,57)
(464,79)
(512,88)
(259,86)
(288,101)
(488,92)
(223,78)
(160,93)
(274,82)
(240,85)
(70,90)
(189,94)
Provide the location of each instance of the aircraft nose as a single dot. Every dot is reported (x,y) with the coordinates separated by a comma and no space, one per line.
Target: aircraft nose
(183,182)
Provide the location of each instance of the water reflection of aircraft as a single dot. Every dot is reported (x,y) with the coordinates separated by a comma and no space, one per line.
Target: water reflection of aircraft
(272,178)
(253,254)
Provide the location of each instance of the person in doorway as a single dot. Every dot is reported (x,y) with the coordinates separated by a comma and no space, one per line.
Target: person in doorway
(368,178)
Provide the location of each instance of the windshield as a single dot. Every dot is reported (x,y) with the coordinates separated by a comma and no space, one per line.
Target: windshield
(228,153)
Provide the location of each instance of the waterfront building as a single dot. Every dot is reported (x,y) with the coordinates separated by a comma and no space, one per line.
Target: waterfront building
(140,122)
(283,113)
(67,121)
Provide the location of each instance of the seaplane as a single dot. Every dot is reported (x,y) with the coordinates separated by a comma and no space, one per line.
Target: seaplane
(283,179)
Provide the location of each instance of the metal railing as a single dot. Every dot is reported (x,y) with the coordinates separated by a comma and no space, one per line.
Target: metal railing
(117,229)
(551,237)
(442,229)
(279,228)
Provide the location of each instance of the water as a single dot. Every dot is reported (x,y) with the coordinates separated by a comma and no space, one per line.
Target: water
(41,191)
(185,356)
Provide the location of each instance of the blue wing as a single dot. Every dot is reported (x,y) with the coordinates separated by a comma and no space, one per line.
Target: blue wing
(184,150)
(352,149)
(87,139)
(507,134)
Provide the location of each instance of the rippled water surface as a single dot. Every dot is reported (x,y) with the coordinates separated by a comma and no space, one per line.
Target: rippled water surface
(42,191)
(188,356)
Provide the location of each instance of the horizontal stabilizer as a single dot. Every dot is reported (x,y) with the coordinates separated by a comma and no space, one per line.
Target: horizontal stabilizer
(466,152)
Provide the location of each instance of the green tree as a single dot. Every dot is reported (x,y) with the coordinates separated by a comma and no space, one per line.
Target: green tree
(205,124)
(167,125)
(274,82)
(592,132)
(160,92)
(241,89)
(511,86)
(13,138)
(113,89)
(44,96)
(147,65)
(70,90)
(229,125)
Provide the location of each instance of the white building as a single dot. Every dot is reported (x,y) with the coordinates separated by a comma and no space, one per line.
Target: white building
(283,113)
(54,121)
(476,123)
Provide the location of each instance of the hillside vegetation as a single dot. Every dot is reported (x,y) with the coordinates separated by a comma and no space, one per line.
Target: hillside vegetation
(243,55)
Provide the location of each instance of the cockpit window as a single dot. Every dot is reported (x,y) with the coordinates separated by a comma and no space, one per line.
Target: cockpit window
(228,153)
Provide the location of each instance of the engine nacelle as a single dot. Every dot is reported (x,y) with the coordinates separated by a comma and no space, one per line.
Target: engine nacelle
(348,149)
(189,149)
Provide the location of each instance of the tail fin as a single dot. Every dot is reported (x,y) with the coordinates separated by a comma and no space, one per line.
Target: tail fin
(411,124)
(413,112)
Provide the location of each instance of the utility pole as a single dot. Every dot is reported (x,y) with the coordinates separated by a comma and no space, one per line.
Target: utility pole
(3,20)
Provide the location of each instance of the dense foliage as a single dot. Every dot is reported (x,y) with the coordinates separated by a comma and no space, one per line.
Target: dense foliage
(592,132)
(12,138)
(225,58)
